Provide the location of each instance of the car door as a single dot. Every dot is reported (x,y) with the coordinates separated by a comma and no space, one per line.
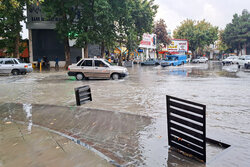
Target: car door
(7,66)
(87,68)
(1,66)
(241,60)
(101,70)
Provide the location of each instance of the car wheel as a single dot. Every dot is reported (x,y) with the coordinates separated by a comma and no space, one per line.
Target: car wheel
(182,63)
(115,76)
(79,76)
(15,72)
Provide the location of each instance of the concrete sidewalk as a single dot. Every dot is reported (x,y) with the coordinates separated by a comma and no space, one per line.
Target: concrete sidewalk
(114,136)
(25,146)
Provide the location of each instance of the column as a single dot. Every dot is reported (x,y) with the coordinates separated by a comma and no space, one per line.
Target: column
(30,46)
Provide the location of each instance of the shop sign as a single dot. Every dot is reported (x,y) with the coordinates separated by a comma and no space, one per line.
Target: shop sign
(148,41)
(178,45)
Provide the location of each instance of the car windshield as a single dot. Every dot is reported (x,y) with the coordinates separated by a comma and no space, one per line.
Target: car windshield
(108,62)
(171,58)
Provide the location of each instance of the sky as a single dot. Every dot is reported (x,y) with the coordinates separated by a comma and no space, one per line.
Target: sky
(217,12)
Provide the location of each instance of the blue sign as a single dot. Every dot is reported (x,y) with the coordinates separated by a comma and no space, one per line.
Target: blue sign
(140,50)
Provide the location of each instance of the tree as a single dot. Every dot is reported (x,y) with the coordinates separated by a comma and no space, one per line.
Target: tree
(199,34)
(221,45)
(133,19)
(143,13)
(11,14)
(96,25)
(67,11)
(103,22)
(237,34)
(160,29)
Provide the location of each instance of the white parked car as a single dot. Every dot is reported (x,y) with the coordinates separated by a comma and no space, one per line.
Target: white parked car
(96,68)
(14,66)
(244,61)
(200,60)
(230,60)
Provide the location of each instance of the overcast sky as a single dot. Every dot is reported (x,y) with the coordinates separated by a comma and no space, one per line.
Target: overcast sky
(217,12)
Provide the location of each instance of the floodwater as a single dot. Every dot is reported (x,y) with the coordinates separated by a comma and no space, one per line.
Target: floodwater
(224,90)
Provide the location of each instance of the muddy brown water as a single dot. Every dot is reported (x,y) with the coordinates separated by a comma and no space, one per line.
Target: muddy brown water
(224,90)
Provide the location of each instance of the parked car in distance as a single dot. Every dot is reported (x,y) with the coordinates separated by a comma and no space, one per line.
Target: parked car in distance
(14,66)
(230,60)
(244,61)
(174,60)
(200,60)
(137,61)
(96,68)
(150,62)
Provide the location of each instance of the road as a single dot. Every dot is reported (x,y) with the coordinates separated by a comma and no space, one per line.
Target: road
(224,91)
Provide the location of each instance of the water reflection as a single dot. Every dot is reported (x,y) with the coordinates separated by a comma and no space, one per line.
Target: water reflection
(27,108)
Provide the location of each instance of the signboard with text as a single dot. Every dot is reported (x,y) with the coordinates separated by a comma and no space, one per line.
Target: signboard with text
(148,41)
(178,45)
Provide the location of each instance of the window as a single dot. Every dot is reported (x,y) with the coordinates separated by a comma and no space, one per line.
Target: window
(79,64)
(99,63)
(1,62)
(15,61)
(9,62)
(87,63)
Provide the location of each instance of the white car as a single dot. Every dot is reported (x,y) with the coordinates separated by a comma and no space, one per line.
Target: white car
(230,60)
(14,66)
(244,61)
(96,68)
(200,60)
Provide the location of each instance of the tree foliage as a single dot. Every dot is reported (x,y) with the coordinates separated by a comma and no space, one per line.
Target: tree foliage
(103,22)
(160,29)
(199,34)
(11,14)
(237,34)
(67,11)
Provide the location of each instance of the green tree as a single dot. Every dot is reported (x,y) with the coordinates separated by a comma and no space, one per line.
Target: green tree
(221,45)
(67,11)
(11,14)
(96,25)
(160,29)
(237,34)
(133,18)
(199,34)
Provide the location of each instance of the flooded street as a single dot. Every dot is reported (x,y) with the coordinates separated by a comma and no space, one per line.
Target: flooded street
(138,103)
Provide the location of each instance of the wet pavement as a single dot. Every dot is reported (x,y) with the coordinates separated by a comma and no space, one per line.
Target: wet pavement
(22,145)
(225,91)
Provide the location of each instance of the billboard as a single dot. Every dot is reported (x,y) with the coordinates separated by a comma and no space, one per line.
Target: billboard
(178,45)
(148,41)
